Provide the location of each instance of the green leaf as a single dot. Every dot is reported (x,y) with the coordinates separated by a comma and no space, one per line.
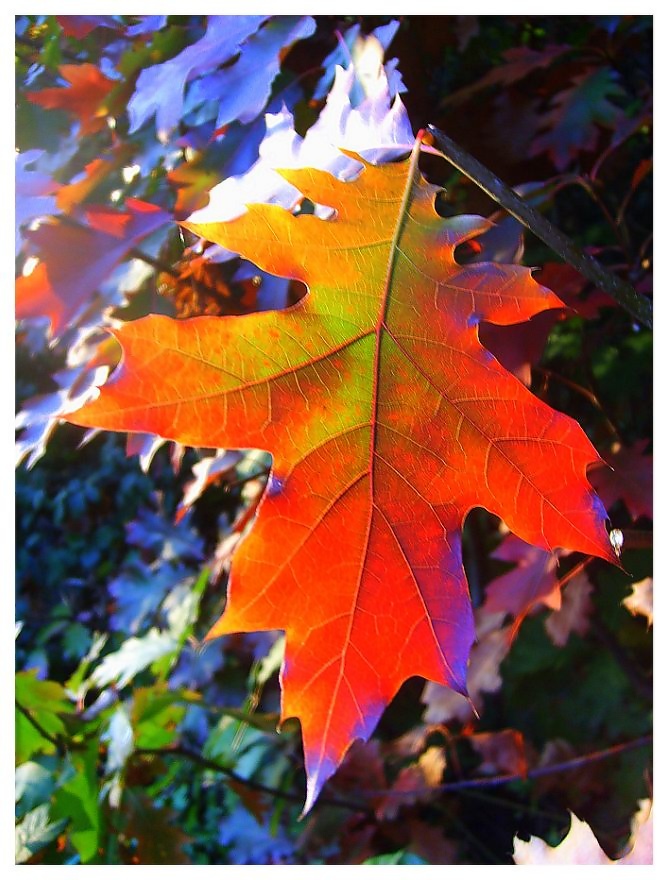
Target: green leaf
(78,802)
(398,858)
(44,702)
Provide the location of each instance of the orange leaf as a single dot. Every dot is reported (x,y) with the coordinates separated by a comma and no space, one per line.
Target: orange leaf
(72,195)
(88,87)
(387,421)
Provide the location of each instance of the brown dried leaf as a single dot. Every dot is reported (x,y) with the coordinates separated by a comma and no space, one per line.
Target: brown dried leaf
(580,846)
(488,652)
(501,751)
(573,616)
(641,600)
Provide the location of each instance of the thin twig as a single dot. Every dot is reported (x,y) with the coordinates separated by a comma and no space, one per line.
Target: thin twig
(636,305)
(201,761)
(535,773)
(550,375)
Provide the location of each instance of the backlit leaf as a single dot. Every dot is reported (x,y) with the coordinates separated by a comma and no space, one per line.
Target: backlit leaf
(59,286)
(84,96)
(580,846)
(629,478)
(387,421)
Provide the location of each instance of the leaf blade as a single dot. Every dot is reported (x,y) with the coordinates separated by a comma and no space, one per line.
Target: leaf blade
(387,421)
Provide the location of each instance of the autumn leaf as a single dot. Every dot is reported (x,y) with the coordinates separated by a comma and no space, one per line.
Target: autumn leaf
(491,648)
(572,123)
(573,615)
(387,421)
(84,96)
(80,26)
(75,258)
(641,599)
(532,582)
(71,196)
(518,63)
(629,479)
(580,846)
(501,751)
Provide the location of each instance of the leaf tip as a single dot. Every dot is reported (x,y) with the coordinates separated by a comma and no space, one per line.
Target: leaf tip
(316,777)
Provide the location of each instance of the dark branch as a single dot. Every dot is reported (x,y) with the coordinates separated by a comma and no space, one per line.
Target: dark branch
(38,727)
(535,773)
(201,761)
(636,305)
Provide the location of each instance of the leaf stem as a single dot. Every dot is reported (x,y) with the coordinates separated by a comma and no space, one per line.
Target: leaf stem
(636,305)
(38,727)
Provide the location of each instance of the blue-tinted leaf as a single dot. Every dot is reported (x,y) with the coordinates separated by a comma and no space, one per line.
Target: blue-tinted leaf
(161,536)
(34,832)
(147,24)
(33,783)
(347,53)
(242,90)
(40,415)
(160,88)
(138,592)
(132,657)
(34,191)
(253,844)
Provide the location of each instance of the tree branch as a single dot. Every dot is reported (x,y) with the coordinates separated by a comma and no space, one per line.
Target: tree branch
(457,785)
(636,305)
(535,773)
(208,764)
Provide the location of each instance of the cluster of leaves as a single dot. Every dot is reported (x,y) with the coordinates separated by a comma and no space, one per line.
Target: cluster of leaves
(140,142)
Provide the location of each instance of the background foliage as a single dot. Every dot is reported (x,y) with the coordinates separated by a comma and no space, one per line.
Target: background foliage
(138,743)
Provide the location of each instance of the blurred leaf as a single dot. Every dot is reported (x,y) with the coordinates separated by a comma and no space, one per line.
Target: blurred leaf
(45,701)
(34,832)
(84,96)
(398,858)
(153,835)
(77,801)
(572,124)
(33,784)
(134,655)
(641,600)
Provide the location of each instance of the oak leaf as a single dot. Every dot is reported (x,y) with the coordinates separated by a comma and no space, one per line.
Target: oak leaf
(641,599)
(387,421)
(573,614)
(580,846)
(575,115)
(490,650)
(59,286)
(84,96)
(531,583)
(629,479)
